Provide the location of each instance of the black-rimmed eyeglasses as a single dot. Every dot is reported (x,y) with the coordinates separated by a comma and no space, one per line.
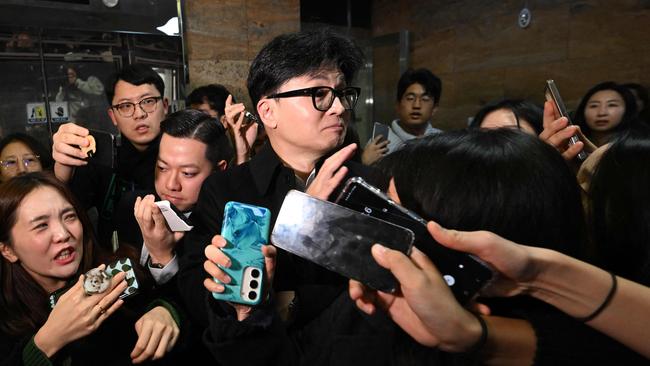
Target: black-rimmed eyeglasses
(323,96)
(127,109)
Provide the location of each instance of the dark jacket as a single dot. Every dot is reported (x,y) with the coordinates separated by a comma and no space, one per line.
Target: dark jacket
(325,327)
(100,187)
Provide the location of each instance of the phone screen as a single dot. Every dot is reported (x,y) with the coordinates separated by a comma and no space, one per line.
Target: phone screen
(338,238)
(466,275)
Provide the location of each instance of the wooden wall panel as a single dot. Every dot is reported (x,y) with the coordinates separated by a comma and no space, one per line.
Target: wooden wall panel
(223,36)
(481,54)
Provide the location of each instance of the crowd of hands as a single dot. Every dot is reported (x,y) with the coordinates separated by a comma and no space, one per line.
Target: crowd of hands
(411,307)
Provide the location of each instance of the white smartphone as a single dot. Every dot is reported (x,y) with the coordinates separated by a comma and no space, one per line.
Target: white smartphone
(174,217)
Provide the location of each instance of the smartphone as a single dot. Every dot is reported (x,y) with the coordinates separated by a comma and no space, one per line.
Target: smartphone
(380,129)
(465,274)
(120,265)
(176,220)
(125,265)
(106,149)
(338,238)
(249,118)
(552,94)
(245,228)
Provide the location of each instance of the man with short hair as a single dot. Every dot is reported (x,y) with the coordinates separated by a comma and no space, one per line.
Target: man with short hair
(418,97)
(210,99)
(137,106)
(300,85)
(192,146)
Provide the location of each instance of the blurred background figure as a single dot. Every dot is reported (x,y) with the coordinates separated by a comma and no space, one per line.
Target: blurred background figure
(85,98)
(642,100)
(19,154)
(606,109)
(210,99)
(516,113)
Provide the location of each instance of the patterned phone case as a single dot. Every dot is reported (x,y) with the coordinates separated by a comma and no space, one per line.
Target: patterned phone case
(125,265)
(120,265)
(245,228)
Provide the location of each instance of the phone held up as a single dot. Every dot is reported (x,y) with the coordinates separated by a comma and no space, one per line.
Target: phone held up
(465,274)
(176,220)
(380,129)
(106,148)
(552,94)
(245,228)
(338,238)
(113,268)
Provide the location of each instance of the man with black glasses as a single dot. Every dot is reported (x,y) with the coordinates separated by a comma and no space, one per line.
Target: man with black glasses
(137,107)
(300,87)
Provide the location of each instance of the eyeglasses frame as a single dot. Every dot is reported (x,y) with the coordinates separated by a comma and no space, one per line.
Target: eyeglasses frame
(139,104)
(312,92)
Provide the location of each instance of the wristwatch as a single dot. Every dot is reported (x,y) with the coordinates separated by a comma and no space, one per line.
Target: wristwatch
(154,265)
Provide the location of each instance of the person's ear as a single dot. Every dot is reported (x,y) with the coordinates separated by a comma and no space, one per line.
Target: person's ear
(8,253)
(111,113)
(165,104)
(434,110)
(222,165)
(266,109)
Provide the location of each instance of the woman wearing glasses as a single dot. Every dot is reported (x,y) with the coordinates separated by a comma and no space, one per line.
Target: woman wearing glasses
(19,154)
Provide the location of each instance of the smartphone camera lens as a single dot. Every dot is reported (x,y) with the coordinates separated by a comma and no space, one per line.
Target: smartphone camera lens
(255,273)
(252,295)
(254,284)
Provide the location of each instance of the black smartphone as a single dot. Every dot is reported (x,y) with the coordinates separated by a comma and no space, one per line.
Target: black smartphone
(465,274)
(106,148)
(338,238)
(380,129)
(552,94)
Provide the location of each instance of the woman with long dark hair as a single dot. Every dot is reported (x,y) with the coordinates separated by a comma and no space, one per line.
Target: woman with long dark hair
(606,109)
(47,245)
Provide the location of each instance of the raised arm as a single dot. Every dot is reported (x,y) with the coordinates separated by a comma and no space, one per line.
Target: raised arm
(618,309)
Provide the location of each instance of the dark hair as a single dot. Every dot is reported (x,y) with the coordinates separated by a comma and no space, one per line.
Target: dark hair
(24,305)
(641,91)
(619,206)
(500,180)
(136,74)
(43,153)
(522,109)
(630,106)
(194,124)
(431,83)
(298,54)
(214,95)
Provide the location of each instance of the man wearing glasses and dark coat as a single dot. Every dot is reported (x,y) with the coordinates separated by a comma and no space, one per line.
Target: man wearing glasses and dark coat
(300,87)
(137,106)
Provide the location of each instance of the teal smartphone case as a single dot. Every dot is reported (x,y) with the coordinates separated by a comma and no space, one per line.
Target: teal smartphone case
(245,228)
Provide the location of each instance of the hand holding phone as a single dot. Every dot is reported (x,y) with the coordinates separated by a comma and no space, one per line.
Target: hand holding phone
(380,129)
(246,229)
(176,220)
(466,275)
(552,94)
(338,238)
(120,265)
